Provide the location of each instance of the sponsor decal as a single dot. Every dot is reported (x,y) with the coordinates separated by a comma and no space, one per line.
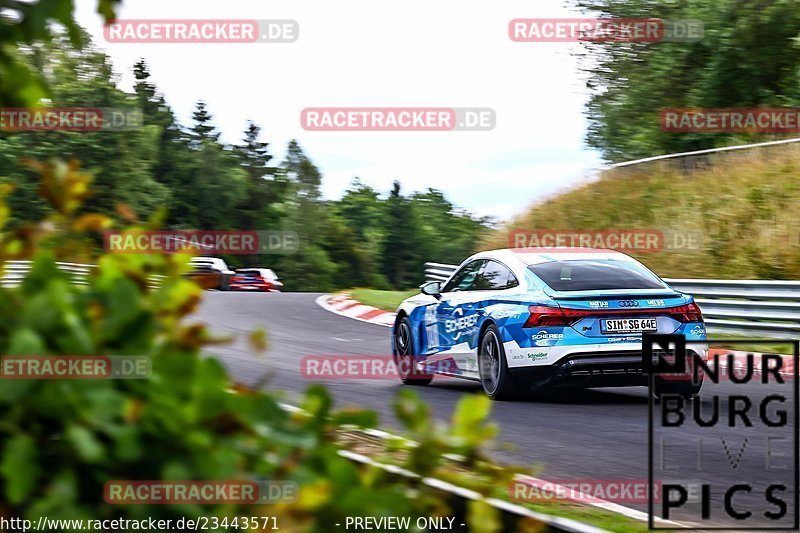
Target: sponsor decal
(461,325)
(535,356)
(624,339)
(505,313)
(544,338)
(698,331)
(431,329)
(598,304)
(655,302)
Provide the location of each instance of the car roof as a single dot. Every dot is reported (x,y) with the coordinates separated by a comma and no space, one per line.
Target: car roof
(533,256)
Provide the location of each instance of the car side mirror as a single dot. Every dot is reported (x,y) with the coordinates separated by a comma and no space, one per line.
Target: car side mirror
(432,288)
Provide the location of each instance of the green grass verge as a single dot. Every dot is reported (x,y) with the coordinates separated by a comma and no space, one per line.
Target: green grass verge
(743,204)
(386,300)
(608,520)
(780,347)
(595,516)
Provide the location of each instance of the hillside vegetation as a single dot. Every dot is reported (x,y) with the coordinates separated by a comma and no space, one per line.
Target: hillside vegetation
(746,204)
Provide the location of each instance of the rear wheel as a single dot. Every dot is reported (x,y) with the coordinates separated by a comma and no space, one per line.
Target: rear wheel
(497,381)
(404,355)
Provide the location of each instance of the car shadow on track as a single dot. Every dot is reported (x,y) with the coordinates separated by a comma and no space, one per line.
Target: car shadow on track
(630,396)
(606,396)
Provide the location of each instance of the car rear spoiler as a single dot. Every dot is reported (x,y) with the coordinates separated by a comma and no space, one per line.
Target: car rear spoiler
(612,294)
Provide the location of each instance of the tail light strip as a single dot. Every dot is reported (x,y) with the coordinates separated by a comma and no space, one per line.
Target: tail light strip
(543,316)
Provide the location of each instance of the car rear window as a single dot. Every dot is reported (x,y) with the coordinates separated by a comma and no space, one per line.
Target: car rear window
(595,275)
(257,273)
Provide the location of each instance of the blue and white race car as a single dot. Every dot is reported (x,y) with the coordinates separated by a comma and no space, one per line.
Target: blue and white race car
(520,320)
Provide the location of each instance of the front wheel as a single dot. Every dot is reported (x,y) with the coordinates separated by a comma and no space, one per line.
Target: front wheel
(497,381)
(404,355)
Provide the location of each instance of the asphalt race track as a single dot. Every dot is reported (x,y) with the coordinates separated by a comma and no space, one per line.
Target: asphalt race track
(575,435)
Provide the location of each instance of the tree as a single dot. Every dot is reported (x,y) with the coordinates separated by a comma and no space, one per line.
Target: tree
(310,268)
(203,128)
(121,160)
(263,204)
(399,264)
(25,85)
(749,56)
(446,235)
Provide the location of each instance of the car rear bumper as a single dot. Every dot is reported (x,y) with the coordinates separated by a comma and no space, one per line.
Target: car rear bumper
(244,287)
(606,368)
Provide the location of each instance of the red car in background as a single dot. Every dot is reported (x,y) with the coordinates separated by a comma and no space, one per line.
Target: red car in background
(255,279)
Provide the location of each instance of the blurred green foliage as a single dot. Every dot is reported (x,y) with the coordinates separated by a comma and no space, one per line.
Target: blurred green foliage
(749,56)
(740,208)
(62,440)
(185,177)
(28,24)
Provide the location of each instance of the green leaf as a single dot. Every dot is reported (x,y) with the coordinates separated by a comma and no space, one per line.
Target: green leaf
(19,468)
(412,411)
(85,444)
(359,417)
(26,342)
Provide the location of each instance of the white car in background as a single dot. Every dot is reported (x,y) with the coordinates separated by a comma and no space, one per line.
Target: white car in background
(210,273)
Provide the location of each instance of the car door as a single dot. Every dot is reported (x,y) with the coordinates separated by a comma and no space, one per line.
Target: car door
(490,284)
(453,314)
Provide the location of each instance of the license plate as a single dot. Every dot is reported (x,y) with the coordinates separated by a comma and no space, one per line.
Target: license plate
(629,325)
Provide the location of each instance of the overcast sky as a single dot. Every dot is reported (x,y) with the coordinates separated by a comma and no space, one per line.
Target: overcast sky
(355,53)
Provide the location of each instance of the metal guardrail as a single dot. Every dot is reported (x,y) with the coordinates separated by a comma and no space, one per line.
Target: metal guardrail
(702,152)
(15,271)
(750,307)
(513,516)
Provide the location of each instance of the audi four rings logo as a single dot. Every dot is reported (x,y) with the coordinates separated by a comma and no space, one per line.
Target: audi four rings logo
(628,303)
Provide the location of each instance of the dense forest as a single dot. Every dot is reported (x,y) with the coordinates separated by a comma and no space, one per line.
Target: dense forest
(749,56)
(176,176)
